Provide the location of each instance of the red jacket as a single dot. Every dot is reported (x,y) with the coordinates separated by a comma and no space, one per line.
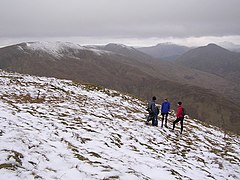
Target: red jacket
(179,112)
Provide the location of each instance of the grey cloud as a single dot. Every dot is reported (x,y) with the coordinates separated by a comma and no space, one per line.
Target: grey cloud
(125,18)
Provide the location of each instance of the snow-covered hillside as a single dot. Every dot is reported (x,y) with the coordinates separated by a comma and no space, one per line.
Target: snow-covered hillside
(57,129)
(58,49)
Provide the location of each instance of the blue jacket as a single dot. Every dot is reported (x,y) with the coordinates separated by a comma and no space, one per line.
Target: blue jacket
(165,107)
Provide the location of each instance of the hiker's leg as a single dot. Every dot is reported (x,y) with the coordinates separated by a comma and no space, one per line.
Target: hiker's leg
(162,119)
(149,117)
(182,125)
(156,119)
(153,119)
(166,119)
(174,122)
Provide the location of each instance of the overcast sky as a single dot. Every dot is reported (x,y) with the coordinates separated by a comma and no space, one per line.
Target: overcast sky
(133,22)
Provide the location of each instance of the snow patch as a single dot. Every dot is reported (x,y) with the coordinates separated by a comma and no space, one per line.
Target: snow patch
(60,49)
(57,49)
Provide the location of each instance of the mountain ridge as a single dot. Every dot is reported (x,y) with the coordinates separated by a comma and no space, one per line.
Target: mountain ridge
(213,59)
(124,50)
(165,51)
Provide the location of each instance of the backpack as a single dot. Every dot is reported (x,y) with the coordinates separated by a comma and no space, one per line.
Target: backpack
(183,111)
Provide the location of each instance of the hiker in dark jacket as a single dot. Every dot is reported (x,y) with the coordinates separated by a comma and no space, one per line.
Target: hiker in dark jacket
(180,116)
(164,111)
(153,112)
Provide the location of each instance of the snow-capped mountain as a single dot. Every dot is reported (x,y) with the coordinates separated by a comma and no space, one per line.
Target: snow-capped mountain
(58,49)
(57,129)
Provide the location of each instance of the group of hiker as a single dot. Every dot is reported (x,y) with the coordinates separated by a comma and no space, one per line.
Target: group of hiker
(165,109)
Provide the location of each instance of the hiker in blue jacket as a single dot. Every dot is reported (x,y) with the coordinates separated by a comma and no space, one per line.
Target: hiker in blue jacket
(164,111)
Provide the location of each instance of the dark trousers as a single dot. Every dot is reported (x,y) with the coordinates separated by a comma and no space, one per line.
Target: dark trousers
(164,115)
(153,117)
(155,120)
(176,121)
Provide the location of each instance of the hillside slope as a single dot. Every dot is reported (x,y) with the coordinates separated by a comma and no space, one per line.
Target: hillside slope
(57,129)
(206,96)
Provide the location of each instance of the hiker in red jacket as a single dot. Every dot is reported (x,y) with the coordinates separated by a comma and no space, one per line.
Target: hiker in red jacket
(180,116)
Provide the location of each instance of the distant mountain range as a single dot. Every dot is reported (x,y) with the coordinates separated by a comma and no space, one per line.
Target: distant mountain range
(170,51)
(215,60)
(206,96)
(165,51)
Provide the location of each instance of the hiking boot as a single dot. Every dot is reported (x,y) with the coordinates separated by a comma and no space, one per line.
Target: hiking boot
(147,122)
